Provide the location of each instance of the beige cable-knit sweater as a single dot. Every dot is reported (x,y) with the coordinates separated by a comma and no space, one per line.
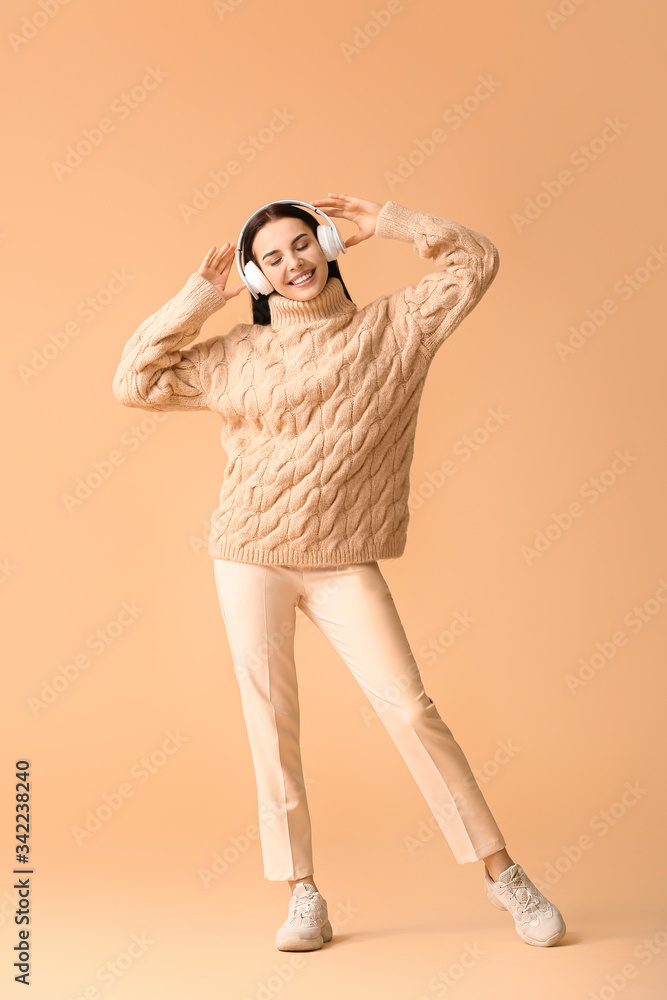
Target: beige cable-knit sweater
(319,408)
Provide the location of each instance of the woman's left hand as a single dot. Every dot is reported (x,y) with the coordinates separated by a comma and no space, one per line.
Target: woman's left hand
(358,210)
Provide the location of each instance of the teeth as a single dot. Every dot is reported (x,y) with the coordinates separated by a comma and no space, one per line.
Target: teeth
(304,277)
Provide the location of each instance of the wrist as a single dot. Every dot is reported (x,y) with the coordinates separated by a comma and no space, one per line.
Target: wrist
(211,291)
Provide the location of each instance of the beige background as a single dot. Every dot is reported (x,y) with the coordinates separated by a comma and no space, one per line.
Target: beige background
(403,915)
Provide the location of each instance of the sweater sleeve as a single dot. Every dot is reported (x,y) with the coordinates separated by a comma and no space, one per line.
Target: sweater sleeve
(465,263)
(155,373)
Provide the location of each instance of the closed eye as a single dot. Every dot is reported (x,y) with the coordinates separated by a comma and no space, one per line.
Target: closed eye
(274,262)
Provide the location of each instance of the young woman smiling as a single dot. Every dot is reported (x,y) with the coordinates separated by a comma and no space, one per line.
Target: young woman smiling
(318,402)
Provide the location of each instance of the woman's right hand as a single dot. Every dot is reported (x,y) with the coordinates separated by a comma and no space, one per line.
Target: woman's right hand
(216,266)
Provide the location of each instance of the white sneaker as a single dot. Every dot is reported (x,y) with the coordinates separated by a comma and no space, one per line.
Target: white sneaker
(536,920)
(307,927)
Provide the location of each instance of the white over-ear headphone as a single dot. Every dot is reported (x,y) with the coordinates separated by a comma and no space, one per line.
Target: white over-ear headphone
(255,279)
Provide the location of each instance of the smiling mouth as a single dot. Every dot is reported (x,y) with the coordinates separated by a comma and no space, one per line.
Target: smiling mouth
(303,279)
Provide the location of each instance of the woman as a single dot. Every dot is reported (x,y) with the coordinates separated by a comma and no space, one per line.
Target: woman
(319,403)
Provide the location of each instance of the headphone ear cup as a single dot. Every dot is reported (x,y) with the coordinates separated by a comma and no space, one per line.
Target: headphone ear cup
(256,280)
(330,241)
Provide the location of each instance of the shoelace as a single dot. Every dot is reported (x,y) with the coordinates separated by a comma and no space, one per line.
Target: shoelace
(303,905)
(517,886)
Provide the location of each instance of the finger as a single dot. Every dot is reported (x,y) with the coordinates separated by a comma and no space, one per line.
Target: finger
(215,255)
(225,248)
(340,199)
(228,257)
(223,253)
(332,199)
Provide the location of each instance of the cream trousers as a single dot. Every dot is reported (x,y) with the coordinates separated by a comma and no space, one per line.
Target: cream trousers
(353,607)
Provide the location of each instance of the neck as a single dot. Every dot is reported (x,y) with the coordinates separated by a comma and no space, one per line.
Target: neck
(327,304)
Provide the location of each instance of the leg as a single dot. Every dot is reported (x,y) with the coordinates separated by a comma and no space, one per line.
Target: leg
(306,878)
(258,607)
(354,608)
(497,862)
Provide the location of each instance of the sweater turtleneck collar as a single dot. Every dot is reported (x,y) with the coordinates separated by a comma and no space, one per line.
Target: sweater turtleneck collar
(331,302)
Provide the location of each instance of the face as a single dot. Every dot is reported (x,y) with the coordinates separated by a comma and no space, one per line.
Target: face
(286,249)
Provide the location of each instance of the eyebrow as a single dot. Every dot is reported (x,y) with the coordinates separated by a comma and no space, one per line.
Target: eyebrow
(296,238)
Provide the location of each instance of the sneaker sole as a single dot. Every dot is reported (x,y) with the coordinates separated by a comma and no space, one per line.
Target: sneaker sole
(308,944)
(541,944)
